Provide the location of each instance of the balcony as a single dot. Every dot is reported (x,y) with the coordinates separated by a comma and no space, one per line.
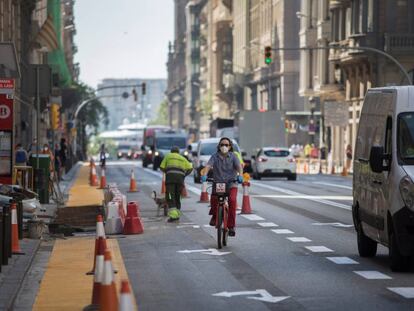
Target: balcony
(399,43)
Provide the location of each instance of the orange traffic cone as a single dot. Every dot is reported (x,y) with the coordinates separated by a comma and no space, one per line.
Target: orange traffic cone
(125,301)
(163,184)
(108,300)
(184,192)
(305,168)
(132,183)
(98,277)
(100,233)
(344,171)
(204,194)
(246,208)
(103,179)
(15,231)
(333,169)
(133,224)
(94,178)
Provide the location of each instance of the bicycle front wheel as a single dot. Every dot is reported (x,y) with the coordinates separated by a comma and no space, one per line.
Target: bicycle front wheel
(219,226)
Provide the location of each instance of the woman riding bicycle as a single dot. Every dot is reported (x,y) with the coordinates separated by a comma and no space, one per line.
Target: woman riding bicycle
(225,165)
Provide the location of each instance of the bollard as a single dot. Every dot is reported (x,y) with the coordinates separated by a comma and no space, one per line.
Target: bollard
(7,246)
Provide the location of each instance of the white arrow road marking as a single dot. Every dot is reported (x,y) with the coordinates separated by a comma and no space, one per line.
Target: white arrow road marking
(264,295)
(333,224)
(210,251)
(289,192)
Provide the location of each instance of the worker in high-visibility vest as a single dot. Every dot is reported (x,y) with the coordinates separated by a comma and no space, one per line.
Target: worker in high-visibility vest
(176,168)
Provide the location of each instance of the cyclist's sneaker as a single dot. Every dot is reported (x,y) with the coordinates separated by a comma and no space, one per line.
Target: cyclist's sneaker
(213,221)
(173,219)
(232,232)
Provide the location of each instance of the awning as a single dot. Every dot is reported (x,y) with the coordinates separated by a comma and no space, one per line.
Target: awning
(47,35)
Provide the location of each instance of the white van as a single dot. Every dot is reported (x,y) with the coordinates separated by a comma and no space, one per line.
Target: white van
(383,195)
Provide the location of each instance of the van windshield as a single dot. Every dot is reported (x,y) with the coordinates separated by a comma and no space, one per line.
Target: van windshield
(406,138)
(165,143)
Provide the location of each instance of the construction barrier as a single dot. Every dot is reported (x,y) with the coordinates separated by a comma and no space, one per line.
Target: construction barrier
(319,166)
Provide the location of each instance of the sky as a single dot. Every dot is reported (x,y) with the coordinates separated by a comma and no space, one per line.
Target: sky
(123,38)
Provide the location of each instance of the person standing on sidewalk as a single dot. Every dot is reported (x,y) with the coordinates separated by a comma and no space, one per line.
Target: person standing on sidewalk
(176,168)
(20,156)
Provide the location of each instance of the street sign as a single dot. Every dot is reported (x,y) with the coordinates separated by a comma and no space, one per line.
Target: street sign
(45,80)
(9,66)
(264,295)
(336,113)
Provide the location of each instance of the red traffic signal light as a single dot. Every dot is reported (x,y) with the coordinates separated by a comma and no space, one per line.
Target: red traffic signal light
(143,88)
(134,93)
(268,55)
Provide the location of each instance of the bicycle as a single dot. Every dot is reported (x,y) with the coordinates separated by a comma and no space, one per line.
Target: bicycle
(221,190)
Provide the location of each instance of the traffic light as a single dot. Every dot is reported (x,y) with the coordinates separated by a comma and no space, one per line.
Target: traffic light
(55,116)
(144,88)
(287,125)
(268,55)
(134,93)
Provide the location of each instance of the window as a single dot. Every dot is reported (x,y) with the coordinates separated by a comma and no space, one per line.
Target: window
(276,153)
(370,21)
(406,138)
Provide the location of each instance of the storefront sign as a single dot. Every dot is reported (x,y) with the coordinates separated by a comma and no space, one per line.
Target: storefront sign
(6,129)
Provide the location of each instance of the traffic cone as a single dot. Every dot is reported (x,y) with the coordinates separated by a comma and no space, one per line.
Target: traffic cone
(132,183)
(305,168)
(100,233)
(94,178)
(246,208)
(184,192)
(125,301)
(333,169)
(98,277)
(163,184)
(204,194)
(108,300)
(103,179)
(133,224)
(344,171)
(15,231)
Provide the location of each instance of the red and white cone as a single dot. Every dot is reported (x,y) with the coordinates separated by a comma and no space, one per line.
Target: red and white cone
(204,194)
(184,192)
(98,277)
(246,208)
(94,178)
(132,183)
(100,233)
(125,300)
(103,179)
(15,231)
(108,300)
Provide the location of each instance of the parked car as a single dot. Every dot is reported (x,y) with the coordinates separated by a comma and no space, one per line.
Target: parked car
(383,187)
(205,149)
(274,162)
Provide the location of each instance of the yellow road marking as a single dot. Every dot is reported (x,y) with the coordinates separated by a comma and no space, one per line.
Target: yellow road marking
(65,286)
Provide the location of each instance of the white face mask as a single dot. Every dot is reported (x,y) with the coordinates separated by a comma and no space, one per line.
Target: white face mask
(224,149)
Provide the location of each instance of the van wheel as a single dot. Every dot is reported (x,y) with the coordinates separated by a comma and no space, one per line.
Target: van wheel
(398,262)
(292,177)
(144,164)
(366,246)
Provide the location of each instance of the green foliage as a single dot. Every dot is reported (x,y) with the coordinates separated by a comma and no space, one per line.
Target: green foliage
(162,115)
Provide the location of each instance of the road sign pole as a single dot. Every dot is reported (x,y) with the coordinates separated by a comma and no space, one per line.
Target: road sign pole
(37,116)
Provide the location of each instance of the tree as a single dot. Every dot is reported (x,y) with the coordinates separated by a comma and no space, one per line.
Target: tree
(162,115)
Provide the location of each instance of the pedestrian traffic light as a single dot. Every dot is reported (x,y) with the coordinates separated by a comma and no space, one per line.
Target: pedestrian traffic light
(268,55)
(134,93)
(54,116)
(144,88)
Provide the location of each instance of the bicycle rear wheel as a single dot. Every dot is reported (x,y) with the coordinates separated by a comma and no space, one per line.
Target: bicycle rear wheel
(219,226)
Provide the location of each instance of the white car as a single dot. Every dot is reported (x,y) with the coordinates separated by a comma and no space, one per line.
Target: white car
(274,162)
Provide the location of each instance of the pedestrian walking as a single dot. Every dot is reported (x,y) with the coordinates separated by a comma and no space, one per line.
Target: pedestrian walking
(348,154)
(176,168)
(20,156)
(57,162)
(102,156)
(62,156)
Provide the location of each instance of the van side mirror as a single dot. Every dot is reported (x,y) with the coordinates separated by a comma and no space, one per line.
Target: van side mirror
(376,159)
(189,148)
(244,153)
(142,148)
(194,153)
(253,157)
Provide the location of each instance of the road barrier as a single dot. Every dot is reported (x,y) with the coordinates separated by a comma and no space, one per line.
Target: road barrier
(246,208)
(125,300)
(319,166)
(204,194)
(132,183)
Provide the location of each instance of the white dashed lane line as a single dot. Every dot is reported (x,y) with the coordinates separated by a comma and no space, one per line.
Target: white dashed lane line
(267,224)
(373,275)
(252,217)
(299,239)
(342,260)
(319,249)
(282,231)
(406,292)
(332,185)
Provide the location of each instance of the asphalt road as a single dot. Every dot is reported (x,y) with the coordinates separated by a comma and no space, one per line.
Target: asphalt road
(297,251)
